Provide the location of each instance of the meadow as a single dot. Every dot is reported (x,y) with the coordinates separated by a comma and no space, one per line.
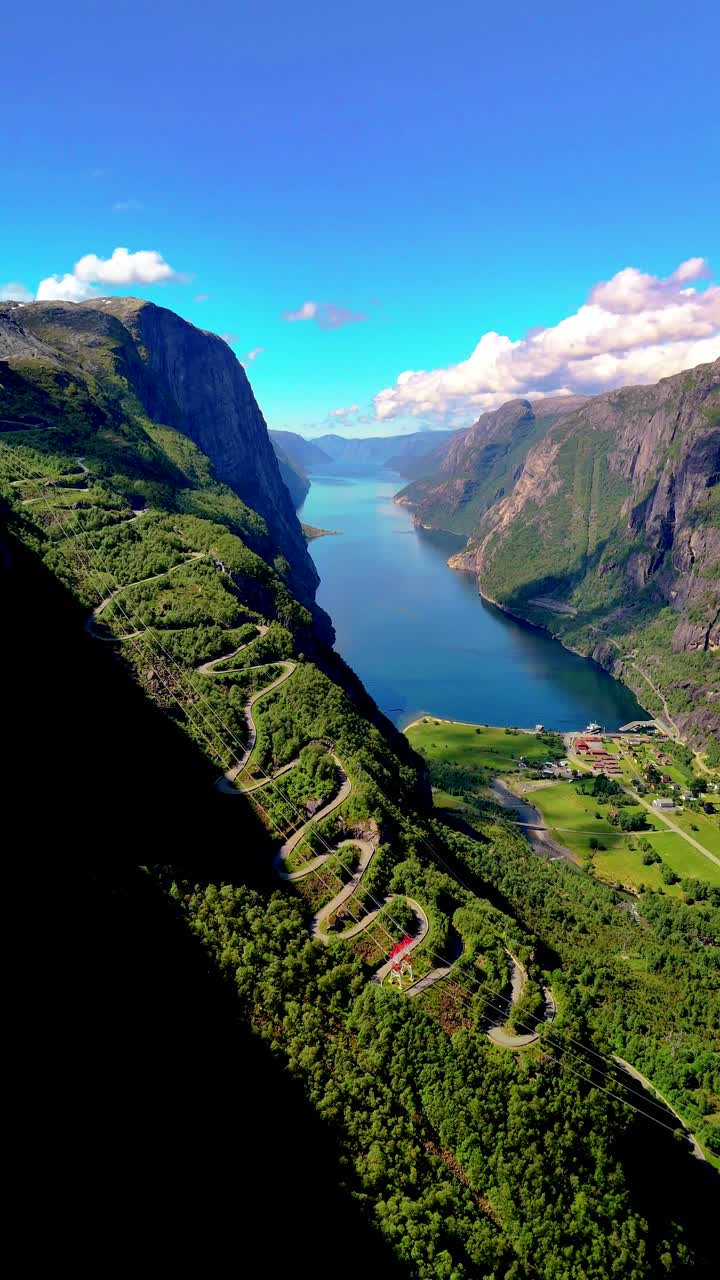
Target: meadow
(485,746)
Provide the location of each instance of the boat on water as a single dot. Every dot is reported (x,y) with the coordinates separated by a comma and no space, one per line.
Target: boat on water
(593,727)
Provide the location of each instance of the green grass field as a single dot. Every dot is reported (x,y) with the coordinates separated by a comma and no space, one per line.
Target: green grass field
(562,806)
(708,830)
(476,744)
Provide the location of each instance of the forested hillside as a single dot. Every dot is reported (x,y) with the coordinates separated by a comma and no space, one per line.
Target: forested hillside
(291,843)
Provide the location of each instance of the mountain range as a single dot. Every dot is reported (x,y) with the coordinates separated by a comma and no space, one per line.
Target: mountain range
(229,837)
(598,519)
(396,453)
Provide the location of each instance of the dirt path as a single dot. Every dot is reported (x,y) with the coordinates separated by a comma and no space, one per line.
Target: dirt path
(671,727)
(670,722)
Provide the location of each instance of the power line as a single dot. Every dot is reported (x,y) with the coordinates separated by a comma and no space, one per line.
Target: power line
(330,851)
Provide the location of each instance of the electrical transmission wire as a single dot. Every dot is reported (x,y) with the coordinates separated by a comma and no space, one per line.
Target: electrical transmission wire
(444,962)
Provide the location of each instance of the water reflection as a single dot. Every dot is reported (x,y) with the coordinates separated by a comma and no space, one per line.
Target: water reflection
(421,637)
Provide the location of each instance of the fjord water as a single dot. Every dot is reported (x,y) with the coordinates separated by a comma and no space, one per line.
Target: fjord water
(421,638)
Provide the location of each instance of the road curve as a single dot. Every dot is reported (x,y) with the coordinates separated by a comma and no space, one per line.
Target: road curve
(345,788)
(228,778)
(497,1032)
(206,668)
(647,1084)
(92,619)
(366,847)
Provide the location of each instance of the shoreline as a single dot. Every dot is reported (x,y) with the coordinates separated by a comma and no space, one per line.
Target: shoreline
(476,724)
(539,626)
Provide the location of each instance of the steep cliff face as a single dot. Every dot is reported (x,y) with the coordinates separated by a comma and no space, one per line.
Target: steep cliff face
(197,380)
(610,537)
(183,378)
(477,467)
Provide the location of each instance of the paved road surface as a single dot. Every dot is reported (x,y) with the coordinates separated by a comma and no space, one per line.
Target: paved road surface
(647,1084)
(206,668)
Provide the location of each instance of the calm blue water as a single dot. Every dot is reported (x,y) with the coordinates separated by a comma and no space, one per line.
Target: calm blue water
(421,638)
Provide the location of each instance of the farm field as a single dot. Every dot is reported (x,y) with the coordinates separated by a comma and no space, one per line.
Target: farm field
(443,800)
(708,832)
(561,805)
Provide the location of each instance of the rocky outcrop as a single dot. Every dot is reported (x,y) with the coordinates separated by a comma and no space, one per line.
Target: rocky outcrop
(477,467)
(190,380)
(197,378)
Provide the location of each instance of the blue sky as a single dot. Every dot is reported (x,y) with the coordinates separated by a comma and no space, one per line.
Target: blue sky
(444,171)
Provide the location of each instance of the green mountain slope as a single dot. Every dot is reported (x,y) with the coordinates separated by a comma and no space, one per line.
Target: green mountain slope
(610,538)
(126,493)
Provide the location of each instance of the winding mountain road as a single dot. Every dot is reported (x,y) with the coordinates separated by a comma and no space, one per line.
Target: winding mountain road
(228,784)
(155,577)
(228,778)
(207,668)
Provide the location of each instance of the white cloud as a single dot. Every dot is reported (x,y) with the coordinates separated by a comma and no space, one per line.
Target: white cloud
(65,288)
(253,355)
(230,338)
(15,291)
(326,315)
(633,328)
(345,412)
(201,297)
(127,206)
(146,266)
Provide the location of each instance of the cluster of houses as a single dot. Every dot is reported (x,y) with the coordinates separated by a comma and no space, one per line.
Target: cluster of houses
(602,760)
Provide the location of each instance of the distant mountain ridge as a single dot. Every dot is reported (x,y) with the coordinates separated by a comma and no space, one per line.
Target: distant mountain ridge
(393,452)
(300,452)
(397,453)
